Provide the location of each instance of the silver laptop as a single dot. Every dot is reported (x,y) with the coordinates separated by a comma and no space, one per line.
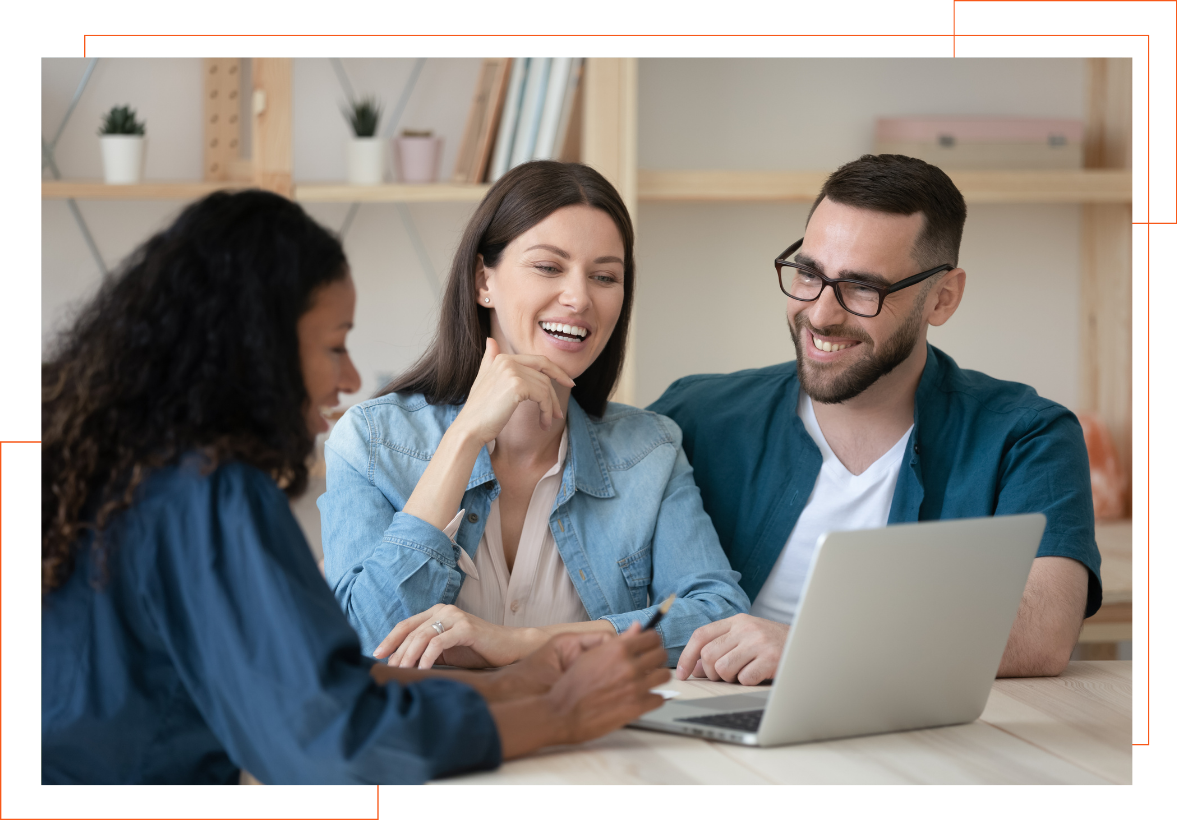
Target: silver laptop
(897,628)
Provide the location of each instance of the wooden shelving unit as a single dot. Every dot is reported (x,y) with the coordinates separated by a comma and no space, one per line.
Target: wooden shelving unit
(97,189)
(978,187)
(433,192)
(609,143)
(310,192)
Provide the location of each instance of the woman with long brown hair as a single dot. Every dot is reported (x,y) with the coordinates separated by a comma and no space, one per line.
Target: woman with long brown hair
(492,495)
(186,632)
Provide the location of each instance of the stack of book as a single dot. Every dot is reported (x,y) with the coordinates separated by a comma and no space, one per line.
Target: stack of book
(523,109)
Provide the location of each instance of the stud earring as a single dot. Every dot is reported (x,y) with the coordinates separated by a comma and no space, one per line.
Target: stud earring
(487,300)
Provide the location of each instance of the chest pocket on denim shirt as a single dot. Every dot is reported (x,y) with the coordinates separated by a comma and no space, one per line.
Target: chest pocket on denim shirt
(638,571)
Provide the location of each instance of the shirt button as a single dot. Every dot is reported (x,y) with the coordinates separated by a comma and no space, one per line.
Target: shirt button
(514,606)
(472,518)
(917,449)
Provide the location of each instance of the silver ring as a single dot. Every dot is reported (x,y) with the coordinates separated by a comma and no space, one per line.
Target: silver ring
(439,627)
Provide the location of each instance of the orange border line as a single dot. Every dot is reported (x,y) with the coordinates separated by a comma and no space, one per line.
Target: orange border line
(954,35)
(2,443)
(1148,223)
(1147,487)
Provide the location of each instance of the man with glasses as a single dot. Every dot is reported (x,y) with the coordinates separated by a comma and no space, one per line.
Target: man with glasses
(872,426)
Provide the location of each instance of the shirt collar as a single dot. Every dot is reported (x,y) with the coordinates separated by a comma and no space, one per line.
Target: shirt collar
(928,387)
(584,464)
(585,470)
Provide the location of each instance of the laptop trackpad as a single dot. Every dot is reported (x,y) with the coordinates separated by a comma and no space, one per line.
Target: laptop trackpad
(727,703)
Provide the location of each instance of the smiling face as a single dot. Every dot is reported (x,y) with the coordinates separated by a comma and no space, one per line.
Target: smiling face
(840,355)
(558,288)
(327,369)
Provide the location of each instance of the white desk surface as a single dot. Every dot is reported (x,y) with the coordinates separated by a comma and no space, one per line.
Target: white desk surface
(1076,728)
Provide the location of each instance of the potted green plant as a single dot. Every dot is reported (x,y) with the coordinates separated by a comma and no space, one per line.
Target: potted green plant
(365,151)
(122,136)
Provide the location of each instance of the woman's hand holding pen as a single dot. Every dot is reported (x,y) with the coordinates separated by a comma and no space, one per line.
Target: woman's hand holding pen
(539,671)
(604,686)
(576,687)
(609,685)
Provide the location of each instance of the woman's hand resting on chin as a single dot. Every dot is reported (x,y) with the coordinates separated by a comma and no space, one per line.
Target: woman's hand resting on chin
(504,382)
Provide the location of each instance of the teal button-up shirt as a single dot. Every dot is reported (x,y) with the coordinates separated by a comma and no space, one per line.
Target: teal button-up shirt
(980,447)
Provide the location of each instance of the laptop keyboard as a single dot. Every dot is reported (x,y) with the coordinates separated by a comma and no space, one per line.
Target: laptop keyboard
(740,721)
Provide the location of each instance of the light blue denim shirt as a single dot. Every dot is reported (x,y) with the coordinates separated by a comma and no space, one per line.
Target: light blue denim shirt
(628,521)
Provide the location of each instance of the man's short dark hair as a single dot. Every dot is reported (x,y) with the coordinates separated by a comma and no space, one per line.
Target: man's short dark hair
(895,184)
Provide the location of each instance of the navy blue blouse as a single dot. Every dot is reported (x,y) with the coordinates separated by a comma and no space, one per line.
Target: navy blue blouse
(211,643)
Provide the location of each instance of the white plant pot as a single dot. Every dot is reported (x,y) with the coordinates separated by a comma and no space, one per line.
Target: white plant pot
(417,158)
(366,160)
(122,158)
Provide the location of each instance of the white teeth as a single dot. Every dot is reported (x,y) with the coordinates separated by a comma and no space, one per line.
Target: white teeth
(827,346)
(567,330)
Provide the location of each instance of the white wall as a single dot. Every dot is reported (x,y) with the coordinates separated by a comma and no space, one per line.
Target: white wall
(166,94)
(708,299)
(708,296)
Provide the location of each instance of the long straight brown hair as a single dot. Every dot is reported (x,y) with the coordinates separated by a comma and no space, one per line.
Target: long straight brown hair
(521,199)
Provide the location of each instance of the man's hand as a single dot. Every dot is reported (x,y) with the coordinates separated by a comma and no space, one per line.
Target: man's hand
(740,648)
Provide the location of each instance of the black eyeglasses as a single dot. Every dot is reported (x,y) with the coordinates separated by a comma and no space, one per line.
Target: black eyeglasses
(860,298)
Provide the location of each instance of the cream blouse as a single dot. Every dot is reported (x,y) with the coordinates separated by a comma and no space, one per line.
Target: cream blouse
(539,591)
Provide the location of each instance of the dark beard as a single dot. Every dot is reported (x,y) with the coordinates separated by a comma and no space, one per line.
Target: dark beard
(863,373)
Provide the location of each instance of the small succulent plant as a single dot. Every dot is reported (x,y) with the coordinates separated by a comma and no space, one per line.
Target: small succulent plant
(121,120)
(364,116)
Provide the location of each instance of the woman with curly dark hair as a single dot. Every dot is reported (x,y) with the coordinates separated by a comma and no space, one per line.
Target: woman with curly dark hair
(186,631)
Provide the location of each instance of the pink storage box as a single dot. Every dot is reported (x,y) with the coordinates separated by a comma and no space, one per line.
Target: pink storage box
(992,143)
(977,129)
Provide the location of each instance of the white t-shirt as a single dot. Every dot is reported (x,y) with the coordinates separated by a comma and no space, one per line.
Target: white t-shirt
(840,501)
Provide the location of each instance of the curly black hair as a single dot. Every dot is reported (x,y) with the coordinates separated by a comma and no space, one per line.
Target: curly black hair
(191,346)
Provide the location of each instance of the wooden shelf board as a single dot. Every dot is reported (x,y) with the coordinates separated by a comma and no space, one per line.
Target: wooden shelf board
(426,192)
(978,187)
(96,189)
(333,192)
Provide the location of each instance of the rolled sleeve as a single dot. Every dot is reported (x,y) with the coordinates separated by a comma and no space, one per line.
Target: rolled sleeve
(383,565)
(1047,470)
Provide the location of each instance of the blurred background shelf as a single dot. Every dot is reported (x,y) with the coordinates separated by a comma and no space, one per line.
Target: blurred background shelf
(311,192)
(426,192)
(97,189)
(978,187)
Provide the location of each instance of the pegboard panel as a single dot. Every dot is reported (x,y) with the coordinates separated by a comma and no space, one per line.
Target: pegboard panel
(222,116)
